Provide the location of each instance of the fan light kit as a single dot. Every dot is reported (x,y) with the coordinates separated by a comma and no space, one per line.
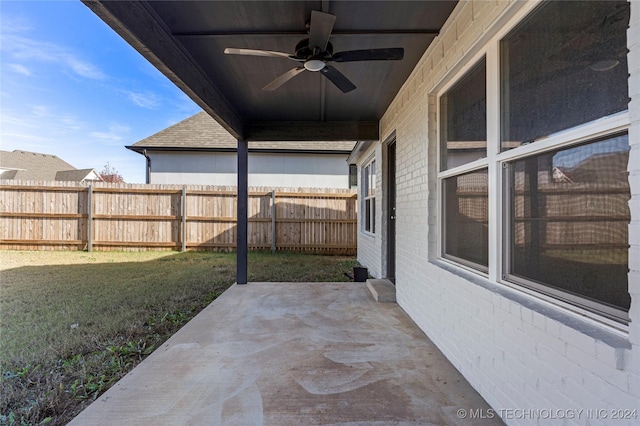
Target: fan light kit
(314,65)
(314,53)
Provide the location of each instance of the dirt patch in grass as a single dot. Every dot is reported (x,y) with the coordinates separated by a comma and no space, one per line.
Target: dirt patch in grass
(73,323)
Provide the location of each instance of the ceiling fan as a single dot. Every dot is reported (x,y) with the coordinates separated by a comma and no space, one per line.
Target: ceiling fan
(315,52)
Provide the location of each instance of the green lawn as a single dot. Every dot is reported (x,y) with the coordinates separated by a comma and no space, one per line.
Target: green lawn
(73,323)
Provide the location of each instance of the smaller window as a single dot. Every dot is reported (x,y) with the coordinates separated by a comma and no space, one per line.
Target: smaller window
(466,218)
(369,195)
(353,175)
(463,120)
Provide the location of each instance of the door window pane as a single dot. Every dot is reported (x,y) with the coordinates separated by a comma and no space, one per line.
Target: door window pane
(466,218)
(563,66)
(569,220)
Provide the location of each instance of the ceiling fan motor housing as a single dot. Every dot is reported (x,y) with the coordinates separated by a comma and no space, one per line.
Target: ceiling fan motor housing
(303,51)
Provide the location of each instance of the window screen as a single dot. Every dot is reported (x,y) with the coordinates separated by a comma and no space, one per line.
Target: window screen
(369,192)
(353,176)
(563,66)
(466,218)
(569,221)
(463,124)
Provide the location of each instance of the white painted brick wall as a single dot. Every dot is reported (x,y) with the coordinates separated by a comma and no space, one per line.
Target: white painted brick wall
(369,246)
(516,351)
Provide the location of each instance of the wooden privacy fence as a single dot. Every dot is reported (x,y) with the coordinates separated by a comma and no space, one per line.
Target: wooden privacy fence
(104,216)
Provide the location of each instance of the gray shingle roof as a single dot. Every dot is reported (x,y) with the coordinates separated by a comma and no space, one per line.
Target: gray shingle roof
(25,165)
(200,131)
(74,175)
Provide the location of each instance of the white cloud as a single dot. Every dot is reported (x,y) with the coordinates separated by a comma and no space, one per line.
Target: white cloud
(9,119)
(29,138)
(83,68)
(71,123)
(40,110)
(113,135)
(120,128)
(106,136)
(146,100)
(38,123)
(25,49)
(20,69)
(16,24)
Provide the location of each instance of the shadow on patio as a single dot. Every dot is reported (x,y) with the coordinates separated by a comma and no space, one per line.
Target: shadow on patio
(293,354)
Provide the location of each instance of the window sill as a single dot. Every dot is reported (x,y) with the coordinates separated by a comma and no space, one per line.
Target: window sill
(614,338)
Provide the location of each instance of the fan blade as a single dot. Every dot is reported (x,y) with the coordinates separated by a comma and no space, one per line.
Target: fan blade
(283,79)
(320,29)
(337,78)
(392,54)
(253,52)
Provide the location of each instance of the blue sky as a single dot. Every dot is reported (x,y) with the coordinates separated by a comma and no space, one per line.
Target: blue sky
(70,86)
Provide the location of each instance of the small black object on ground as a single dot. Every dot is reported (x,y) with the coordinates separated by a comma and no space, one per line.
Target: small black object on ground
(359,275)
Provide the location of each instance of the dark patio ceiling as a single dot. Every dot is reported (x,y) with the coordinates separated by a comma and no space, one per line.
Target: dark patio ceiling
(186,41)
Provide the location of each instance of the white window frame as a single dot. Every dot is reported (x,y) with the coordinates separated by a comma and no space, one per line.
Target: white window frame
(369,178)
(496,160)
(472,166)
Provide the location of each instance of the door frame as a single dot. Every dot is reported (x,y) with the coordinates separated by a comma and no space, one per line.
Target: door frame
(390,165)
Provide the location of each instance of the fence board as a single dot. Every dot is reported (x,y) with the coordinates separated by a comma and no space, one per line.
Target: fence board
(58,215)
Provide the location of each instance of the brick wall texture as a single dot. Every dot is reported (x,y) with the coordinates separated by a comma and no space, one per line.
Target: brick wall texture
(517,352)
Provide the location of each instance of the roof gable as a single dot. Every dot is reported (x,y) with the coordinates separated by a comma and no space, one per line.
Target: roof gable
(201,131)
(26,165)
(78,175)
(197,131)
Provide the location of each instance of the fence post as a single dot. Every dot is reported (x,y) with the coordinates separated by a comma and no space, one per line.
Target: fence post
(90,218)
(184,218)
(273,221)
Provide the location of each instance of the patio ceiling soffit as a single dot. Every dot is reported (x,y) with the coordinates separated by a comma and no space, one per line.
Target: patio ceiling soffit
(172,52)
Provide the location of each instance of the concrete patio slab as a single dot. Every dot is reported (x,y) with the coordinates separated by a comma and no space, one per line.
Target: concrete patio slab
(292,354)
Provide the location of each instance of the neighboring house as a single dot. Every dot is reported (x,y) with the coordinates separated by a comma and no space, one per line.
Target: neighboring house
(498,200)
(200,151)
(25,165)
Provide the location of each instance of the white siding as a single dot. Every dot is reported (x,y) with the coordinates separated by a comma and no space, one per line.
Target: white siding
(270,170)
(516,350)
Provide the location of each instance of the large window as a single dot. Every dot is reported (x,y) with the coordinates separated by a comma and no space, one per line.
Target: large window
(568,223)
(563,66)
(369,196)
(562,78)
